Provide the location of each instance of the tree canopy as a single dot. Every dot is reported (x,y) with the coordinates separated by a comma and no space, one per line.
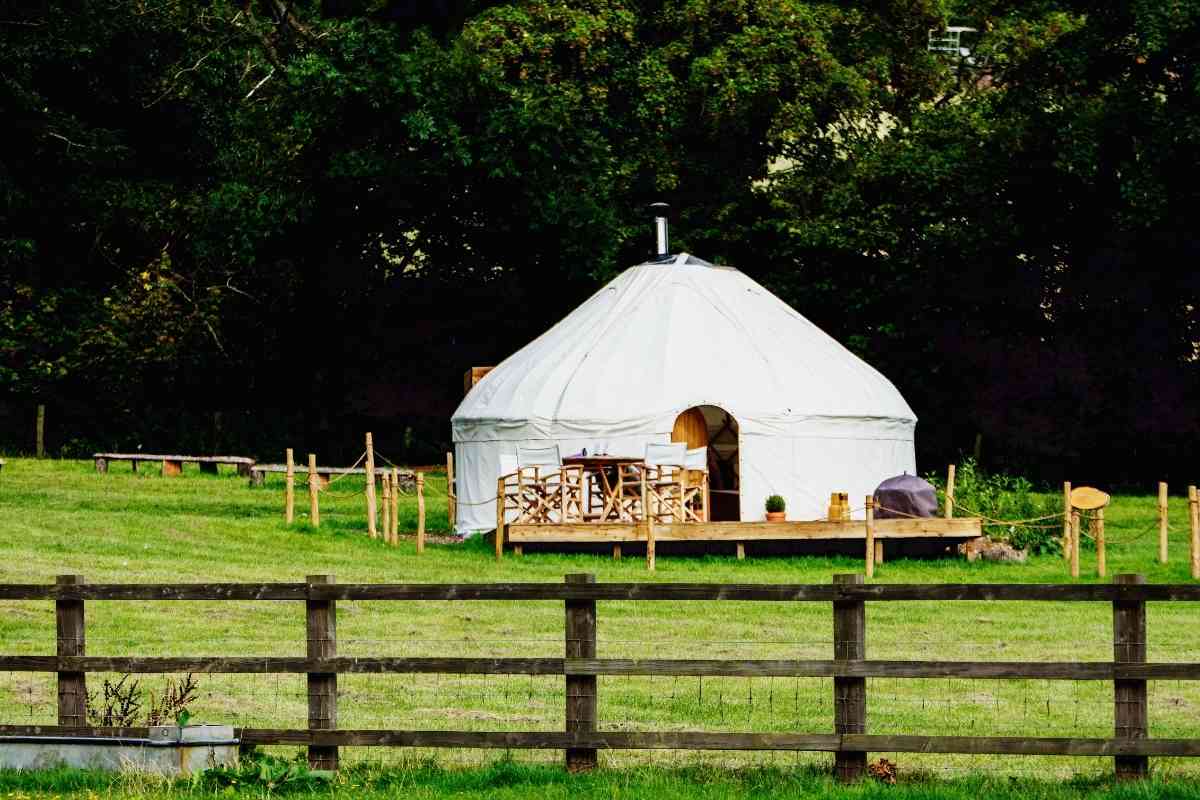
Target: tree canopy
(231,224)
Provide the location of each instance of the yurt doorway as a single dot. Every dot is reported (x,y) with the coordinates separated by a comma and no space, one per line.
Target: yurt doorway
(716,429)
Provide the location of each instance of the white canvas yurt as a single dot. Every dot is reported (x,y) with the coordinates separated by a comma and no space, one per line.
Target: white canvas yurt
(679,349)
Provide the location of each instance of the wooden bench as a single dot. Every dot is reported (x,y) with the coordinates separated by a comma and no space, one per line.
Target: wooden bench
(258,474)
(173,465)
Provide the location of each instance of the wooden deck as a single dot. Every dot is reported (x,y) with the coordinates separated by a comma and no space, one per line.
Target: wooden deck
(615,534)
(612,532)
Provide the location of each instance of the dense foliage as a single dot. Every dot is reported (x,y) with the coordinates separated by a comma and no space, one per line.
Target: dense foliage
(231,225)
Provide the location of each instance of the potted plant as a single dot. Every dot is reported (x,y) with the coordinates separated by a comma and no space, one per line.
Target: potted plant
(775,509)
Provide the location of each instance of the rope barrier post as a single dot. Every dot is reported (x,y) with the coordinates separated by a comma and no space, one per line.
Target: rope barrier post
(395,532)
(499,518)
(1101,560)
(1162,522)
(1194,519)
(451,492)
(1130,717)
(314,484)
(322,686)
(1074,543)
(420,512)
(950,492)
(72,639)
(1067,521)
(371,529)
(289,490)
(870,555)
(385,502)
(849,694)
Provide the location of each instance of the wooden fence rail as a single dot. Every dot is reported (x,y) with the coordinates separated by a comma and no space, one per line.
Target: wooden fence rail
(581,739)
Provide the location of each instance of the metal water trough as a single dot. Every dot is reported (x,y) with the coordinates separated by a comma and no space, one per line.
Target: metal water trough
(167,750)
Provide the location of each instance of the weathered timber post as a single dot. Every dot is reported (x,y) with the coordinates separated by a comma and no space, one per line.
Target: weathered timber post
(371,529)
(314,486)
(581,689)
(949,492)
(1074,543)
(41,430)
(72,640)
(420,512)
(499,518)
(451,492)
(1129,696)
(648,521)
(849,694)
(385,502)
(1162,522)
(322,686)
(871,536)
(1067,520)
(1194,522)
(1101,558)
(289,490)
(395,532)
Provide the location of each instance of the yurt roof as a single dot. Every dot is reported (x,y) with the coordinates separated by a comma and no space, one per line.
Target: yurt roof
(667,335)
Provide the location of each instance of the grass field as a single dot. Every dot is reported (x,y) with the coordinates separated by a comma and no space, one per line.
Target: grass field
(62,517)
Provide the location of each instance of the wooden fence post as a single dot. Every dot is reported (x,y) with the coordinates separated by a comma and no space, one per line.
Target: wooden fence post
(385,505)
(371,529)
(651,553)
(72,640)
(41,431)
(1194,523)
(1162,522)
(420,512)
(1067,520)
(581,689)
(849,694)
(322,686)
(314,485)
(1074,543)
(395,533)
(499,518)
(871,536)
(1101,559)
(451,493)
(949,509)
(289,491)
(1129,696)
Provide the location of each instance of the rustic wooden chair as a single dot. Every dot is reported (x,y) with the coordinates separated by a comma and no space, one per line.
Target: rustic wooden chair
(664,477)
(554,492)
(695,486)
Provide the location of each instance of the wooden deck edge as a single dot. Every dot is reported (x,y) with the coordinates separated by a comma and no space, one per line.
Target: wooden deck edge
(607,532)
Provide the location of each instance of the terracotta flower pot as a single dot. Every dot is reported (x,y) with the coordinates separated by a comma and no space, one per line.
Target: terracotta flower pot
(776,516)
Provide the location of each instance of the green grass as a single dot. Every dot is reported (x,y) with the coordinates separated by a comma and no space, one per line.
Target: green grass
(508,779)
(62,517)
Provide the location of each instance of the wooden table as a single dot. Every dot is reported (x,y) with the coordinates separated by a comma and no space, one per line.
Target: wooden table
(605,471)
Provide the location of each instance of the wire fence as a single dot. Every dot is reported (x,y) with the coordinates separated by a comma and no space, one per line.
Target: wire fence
(918,630)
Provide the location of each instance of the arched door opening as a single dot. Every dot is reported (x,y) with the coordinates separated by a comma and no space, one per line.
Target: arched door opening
(715,428)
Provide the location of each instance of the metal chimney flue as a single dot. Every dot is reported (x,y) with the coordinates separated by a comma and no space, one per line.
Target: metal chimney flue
(660,229)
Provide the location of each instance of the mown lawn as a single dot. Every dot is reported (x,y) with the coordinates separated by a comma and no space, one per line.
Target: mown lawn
(506,779)
(62,517)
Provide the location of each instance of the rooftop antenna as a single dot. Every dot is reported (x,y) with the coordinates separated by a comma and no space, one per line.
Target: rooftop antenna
(660,210)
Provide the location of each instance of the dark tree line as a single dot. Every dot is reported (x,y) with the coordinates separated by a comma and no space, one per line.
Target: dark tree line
(240,225)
